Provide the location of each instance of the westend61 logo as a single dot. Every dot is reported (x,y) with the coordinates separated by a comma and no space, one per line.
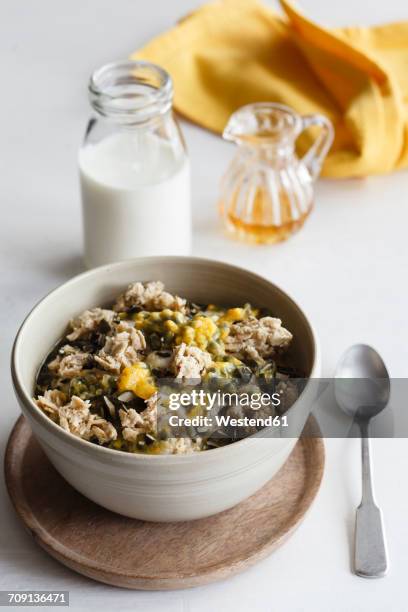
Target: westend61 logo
(213,401)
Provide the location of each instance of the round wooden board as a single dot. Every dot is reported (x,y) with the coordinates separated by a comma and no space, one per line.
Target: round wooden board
(142,555)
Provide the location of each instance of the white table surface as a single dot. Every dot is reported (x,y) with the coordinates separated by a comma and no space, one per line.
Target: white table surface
(347,268)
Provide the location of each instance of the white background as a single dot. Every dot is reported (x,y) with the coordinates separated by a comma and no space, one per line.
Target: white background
(347,268)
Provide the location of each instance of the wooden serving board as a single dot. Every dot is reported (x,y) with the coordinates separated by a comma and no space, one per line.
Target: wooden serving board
(142,555)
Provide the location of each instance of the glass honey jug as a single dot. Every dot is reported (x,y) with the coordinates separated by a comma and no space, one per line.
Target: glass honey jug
(267,191)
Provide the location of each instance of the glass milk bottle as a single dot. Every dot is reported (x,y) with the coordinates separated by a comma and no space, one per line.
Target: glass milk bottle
(134,170)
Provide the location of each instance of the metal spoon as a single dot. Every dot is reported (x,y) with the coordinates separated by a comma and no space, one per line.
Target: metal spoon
(362,399)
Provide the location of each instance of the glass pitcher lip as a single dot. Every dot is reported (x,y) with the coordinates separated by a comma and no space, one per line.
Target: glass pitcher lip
(130,89)
(255,123)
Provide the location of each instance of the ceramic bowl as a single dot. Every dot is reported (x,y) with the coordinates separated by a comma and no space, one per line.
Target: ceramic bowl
(166,487)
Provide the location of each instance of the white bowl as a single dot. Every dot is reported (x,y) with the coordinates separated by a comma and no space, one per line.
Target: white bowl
(150,487)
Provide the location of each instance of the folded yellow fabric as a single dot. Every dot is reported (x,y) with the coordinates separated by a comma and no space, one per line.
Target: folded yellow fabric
(232,52)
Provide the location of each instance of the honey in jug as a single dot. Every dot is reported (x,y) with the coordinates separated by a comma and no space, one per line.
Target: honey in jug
(267,191)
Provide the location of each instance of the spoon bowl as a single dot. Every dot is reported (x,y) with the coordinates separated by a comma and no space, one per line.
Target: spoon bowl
(362,386)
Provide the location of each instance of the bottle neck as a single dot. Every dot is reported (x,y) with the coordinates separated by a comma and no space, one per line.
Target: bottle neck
(131,93)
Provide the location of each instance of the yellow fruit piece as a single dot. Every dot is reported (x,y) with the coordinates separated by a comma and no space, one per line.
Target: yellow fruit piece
(137,378)
(234,314)
(200,331)
(207,325)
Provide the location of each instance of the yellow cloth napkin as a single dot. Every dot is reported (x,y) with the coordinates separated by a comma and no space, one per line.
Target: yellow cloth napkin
(233,52)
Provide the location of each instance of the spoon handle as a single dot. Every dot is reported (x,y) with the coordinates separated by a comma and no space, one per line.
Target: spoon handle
(370,548)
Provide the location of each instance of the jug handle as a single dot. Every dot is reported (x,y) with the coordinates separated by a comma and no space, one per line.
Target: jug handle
(314,157)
